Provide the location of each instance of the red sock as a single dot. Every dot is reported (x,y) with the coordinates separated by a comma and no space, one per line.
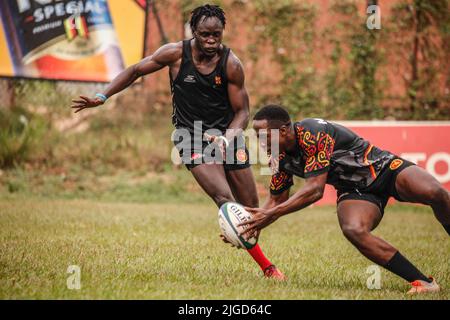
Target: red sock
(259,257)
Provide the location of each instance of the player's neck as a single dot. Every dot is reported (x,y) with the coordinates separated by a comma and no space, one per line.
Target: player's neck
(199,55)
(291,142)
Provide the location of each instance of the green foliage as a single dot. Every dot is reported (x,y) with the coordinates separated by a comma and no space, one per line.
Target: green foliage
(354,92)
(420,32)
(352,85)
(38,94)
(288,27)
(349,85)
(20,134)
(355,89)
(173,251)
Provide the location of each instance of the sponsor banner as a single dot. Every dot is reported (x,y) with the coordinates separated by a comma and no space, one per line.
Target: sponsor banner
(425,143)
(82,40)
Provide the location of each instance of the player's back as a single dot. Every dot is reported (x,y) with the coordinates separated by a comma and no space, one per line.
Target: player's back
(349,159)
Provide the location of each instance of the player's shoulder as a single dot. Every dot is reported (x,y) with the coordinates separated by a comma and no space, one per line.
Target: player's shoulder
(173,48)
(234,65)
(169,52)
(232,56)
(311,123)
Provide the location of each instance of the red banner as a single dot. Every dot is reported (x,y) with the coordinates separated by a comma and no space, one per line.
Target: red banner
(425,143)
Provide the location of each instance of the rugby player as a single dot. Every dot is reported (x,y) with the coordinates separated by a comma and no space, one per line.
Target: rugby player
(208,92)
(364,176)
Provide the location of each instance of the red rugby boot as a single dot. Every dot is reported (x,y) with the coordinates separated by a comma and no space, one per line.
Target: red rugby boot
(420,286)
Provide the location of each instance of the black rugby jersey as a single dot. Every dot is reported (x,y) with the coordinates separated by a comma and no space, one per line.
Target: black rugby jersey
(352,163)
(199,97)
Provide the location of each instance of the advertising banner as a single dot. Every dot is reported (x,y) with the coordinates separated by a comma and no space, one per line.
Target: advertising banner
(82,40)
(425,143)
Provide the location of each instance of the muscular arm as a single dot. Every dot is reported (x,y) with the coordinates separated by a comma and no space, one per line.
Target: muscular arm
(311,192)
(167,55)
(164,56)
(238,96)
(281,205)
(275,200)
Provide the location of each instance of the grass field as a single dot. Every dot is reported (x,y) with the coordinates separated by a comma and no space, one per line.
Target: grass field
(173,251)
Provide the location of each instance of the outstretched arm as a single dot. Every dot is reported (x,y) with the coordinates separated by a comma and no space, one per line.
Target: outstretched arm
(311,192)
(276,199)
(164,56)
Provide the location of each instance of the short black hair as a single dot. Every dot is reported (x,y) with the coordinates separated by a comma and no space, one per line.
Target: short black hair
(275,115)
(207,10)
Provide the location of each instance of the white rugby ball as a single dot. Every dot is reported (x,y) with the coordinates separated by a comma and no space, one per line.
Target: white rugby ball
(230,215)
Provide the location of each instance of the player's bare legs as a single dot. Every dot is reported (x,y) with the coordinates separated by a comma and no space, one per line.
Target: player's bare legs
(243,186)
(357,219)
(213,180)
(416,185)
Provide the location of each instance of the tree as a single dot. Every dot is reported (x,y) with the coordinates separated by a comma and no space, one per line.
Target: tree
(352,88)
(424,26)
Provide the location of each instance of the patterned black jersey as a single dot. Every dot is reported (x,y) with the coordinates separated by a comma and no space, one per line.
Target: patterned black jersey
(198,97)
(351,162)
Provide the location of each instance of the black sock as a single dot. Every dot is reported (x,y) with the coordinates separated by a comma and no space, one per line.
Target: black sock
(447,228)
(405,269)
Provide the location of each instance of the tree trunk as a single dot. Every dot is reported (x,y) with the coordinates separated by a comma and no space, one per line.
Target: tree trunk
(162,33)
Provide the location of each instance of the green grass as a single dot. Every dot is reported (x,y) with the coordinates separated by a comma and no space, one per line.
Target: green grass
(135,187)
(172,251)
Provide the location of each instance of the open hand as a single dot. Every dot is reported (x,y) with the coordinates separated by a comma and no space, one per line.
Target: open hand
(261,219)
(219,140)
(85,103)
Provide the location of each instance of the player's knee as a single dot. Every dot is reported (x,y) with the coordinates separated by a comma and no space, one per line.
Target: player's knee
(254,201)
(221,198)
(249,200)
(355,232)
(437,195)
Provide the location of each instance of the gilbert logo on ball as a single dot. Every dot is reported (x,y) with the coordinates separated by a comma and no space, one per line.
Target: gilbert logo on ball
(230,215)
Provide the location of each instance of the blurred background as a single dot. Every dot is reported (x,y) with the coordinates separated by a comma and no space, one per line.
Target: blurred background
(318,58)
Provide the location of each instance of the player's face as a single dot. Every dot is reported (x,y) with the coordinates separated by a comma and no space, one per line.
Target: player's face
(266,136)
(208,35)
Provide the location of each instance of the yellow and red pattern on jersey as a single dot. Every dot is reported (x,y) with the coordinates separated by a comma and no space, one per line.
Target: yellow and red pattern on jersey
(318,149)
(280,181)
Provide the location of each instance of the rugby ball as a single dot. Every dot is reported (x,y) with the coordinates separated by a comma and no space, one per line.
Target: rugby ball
(230,215)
